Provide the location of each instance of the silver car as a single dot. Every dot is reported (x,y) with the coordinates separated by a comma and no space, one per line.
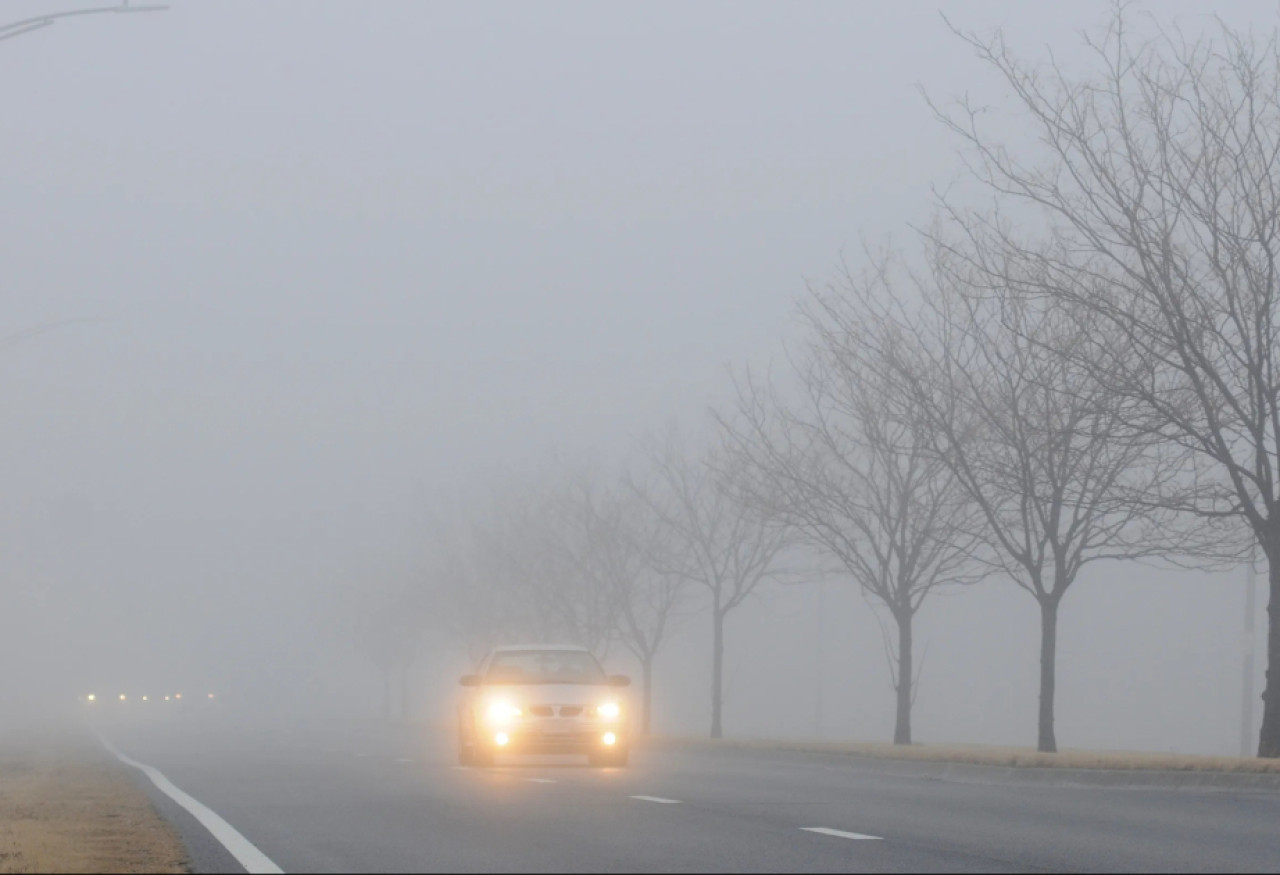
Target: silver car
(543,698)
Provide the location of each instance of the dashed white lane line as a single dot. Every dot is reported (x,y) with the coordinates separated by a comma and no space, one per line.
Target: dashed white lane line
(248,856)
(461,768)
(362,755)
(827,831)
(656,799)
(541,780)
(404,760)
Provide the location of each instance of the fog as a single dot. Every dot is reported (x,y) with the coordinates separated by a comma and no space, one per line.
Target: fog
(287,283)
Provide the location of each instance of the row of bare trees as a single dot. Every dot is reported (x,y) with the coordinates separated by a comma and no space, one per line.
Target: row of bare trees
(1082,368)
(601,561)
(1086,369)
(1147,241)
(1094,380)
(929,432)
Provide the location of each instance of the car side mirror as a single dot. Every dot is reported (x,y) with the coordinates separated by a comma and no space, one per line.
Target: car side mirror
(470,680)
(619,680)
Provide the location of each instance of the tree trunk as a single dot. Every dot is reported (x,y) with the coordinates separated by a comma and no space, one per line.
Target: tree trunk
(717,672)
(1048,656)
(1269,738)
(902,724)
(404,692)
(646,717)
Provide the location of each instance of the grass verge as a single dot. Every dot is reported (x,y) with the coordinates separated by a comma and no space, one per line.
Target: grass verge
(985,755)
(66,807)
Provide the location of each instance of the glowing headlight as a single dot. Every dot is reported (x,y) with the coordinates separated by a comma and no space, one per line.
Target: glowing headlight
(503,712)
(609,710)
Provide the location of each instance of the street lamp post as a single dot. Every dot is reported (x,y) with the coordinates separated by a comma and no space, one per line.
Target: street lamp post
(27,25)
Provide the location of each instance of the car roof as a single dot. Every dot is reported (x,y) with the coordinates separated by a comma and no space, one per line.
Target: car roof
(509,647)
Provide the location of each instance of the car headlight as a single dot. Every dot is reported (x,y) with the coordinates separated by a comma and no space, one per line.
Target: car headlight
(609,710)
(503,712)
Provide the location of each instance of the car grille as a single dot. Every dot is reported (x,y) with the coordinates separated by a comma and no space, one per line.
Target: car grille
(550,710)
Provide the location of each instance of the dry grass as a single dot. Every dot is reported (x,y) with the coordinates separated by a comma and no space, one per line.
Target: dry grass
(64,807)
(1010,756)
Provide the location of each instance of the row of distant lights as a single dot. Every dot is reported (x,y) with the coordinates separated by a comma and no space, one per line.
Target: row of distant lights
(123,698)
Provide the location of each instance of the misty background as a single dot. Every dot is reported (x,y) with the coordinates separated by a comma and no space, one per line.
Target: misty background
(313,272)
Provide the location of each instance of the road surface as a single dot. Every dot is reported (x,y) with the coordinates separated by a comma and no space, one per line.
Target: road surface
(343,799)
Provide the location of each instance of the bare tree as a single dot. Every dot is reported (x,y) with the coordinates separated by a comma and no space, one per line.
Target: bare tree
(466,583)
(1158,177)
(572,558)
(854,472)
(722,544)
(474,613)
(388,624)
(530,556)
(1036,444)
(526,568)
(630,556)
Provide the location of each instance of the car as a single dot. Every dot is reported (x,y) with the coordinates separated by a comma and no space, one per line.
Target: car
(545,699)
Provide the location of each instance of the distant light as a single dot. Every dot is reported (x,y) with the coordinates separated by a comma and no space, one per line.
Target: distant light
(177,695)
(166,698)
(144,698)
(211,695)
(122,697)
(501,739)
(92,697)
(610,738)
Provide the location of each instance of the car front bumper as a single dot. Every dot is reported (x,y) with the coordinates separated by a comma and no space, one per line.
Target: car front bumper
(554,737)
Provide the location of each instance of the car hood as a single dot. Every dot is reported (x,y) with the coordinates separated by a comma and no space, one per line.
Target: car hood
(553,694)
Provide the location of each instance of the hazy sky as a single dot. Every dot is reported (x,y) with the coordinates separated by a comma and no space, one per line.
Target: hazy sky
(336,259)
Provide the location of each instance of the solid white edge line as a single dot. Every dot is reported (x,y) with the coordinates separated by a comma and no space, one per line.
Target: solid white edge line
(248,856)
(827,831)
(656,799)
(541,780)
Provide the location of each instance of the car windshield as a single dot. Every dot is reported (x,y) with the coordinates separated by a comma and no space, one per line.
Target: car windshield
(544,667)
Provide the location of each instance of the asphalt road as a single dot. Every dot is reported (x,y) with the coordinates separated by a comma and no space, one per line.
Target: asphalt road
(352,799)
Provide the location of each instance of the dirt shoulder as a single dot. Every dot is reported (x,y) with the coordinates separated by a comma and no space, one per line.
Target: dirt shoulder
(983,755)
(67,806)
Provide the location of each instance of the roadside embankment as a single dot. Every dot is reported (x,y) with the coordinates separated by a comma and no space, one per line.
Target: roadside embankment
(67,806)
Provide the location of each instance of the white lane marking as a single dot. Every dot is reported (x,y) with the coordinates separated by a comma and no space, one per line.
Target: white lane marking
(827,831)
(362,754)
(541,780)
(404,760)
(656,799)
(461,768)
(248,856)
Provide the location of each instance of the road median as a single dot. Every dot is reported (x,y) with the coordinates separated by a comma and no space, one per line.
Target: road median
(1022,765)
